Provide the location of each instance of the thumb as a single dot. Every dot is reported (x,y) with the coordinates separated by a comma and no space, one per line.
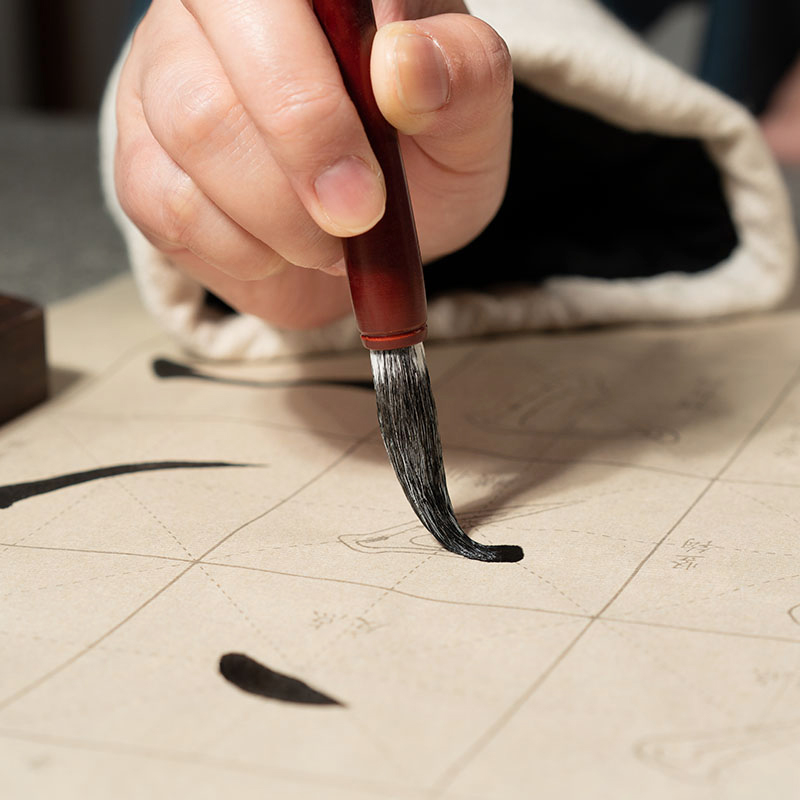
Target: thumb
(447,81)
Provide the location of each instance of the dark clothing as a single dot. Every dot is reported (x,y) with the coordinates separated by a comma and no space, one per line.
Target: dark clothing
(748,44)
(609,203)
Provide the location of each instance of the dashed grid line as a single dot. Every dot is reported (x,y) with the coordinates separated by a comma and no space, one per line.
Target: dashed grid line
(190,564)
(450,775)
(190,561)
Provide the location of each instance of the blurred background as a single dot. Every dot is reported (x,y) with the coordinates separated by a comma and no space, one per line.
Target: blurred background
(55,56)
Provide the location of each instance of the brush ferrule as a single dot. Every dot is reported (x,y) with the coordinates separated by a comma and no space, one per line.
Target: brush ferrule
(394,341)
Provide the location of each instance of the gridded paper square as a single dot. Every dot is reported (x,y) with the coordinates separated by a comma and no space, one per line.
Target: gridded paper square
(648,645)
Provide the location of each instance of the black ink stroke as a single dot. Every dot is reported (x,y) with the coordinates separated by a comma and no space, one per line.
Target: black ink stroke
(250,676)
(22,491)
(164,368)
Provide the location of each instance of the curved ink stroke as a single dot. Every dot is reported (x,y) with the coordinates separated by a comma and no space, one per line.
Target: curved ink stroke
(250,676)
(164,368)
(22,491)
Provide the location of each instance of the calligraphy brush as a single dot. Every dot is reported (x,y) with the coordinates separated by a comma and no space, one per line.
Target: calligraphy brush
(384,270)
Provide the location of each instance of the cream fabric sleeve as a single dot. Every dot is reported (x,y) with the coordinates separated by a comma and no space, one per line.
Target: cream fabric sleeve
(574,52)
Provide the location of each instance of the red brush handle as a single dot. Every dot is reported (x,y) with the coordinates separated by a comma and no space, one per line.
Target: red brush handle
(383,265)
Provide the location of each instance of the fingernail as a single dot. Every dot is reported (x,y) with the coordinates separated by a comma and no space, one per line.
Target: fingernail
(423,78)
(352,196)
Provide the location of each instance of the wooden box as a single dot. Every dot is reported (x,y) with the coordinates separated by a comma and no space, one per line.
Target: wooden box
(23,364)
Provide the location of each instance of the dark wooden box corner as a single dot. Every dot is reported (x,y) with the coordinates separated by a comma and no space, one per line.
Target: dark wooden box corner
(23,362)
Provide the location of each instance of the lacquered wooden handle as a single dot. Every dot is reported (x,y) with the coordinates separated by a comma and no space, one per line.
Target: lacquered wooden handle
(383,265)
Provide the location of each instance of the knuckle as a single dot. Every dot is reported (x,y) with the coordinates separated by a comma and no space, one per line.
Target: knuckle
(199,109)
(321,257)
(498,60)
(249,263)
(154,193)
(177,210)
(130,166)
(187,109)
(268,268)
(311,247)
(322,261)
(297,111)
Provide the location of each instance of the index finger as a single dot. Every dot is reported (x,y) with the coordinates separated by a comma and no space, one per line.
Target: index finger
(282,69)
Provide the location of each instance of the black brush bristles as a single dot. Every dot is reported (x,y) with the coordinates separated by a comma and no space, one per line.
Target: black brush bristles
(407,416)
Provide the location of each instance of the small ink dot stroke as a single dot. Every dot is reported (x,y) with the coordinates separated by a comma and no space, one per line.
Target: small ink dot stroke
(165,368)
(254,678)
(15,492)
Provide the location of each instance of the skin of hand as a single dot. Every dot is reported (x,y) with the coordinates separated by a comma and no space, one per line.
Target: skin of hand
(781,121)
(241,157)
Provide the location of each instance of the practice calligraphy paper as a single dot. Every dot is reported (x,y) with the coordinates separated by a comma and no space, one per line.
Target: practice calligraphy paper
(160,513)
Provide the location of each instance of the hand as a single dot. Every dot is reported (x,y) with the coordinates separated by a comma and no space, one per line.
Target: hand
(241,157)
(780,123)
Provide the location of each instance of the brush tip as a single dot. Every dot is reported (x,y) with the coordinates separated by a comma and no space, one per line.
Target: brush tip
(407,416)
(510,553)
(503,553)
